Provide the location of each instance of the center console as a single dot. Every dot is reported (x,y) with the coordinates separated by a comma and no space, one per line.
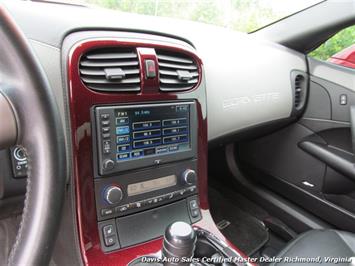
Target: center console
(146,157)
(139,143)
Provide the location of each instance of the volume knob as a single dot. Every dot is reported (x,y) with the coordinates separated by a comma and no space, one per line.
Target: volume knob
(189,176)
(108,164)
(113,195)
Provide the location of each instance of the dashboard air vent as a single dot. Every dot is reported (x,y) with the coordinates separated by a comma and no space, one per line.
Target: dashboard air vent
(299,81)
(111,69)
(177,71)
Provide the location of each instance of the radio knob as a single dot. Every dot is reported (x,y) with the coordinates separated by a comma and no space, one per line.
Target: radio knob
(108,164)
(113,195)
(189,176)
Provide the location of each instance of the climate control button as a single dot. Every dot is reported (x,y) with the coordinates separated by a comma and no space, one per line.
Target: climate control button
(113,195)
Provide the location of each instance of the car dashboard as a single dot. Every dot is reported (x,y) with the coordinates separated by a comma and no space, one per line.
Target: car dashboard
(141,101)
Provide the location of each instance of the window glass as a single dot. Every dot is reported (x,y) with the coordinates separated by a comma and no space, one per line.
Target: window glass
(241,15)
(339,49)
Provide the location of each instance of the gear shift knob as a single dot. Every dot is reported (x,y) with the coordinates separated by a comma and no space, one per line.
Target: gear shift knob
(179,243)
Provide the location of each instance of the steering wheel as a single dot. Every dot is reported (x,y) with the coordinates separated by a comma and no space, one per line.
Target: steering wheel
(30,117)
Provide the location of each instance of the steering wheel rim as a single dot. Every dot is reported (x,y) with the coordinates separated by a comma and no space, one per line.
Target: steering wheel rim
(33,121)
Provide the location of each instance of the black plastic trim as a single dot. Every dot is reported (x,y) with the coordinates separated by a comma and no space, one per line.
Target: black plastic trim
(337,216)
(295,217)
(132,230)
(336,158)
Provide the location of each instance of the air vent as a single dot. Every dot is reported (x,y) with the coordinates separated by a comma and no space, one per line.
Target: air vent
(111,69)
(177,71)
(299,86)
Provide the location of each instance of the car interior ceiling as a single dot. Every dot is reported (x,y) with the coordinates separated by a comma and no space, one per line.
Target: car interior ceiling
(128,140)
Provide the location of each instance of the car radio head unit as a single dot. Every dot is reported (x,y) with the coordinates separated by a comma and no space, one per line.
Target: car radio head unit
(140,135)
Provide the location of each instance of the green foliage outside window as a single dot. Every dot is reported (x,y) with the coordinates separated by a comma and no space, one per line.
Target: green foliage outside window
(335,44)
(240,15)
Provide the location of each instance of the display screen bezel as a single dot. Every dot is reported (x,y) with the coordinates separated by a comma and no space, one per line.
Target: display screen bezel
(145,161)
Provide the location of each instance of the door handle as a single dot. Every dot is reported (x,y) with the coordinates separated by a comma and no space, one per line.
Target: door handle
(340,160)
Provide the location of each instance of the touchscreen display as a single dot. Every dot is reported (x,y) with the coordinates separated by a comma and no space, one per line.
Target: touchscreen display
(143,131)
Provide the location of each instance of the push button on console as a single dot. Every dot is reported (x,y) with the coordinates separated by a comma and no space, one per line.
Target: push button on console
(105,116)
(122,208)
(106,145)
(105,122)
(108,235)
(105,130)
(193,204)
(150,69)
(110,241)
(195,213)
(106,212)
(194,209)
(106,135)
(108,230)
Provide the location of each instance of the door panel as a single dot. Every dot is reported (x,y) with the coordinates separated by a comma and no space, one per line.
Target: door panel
(287,161)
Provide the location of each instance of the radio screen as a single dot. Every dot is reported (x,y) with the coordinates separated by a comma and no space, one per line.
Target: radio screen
(151,185)
(140,135)
(154,130)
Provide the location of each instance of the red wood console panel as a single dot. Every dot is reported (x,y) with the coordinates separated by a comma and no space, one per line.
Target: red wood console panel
(81,99)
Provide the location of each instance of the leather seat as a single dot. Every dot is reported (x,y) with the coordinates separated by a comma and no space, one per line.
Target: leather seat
(319,243)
